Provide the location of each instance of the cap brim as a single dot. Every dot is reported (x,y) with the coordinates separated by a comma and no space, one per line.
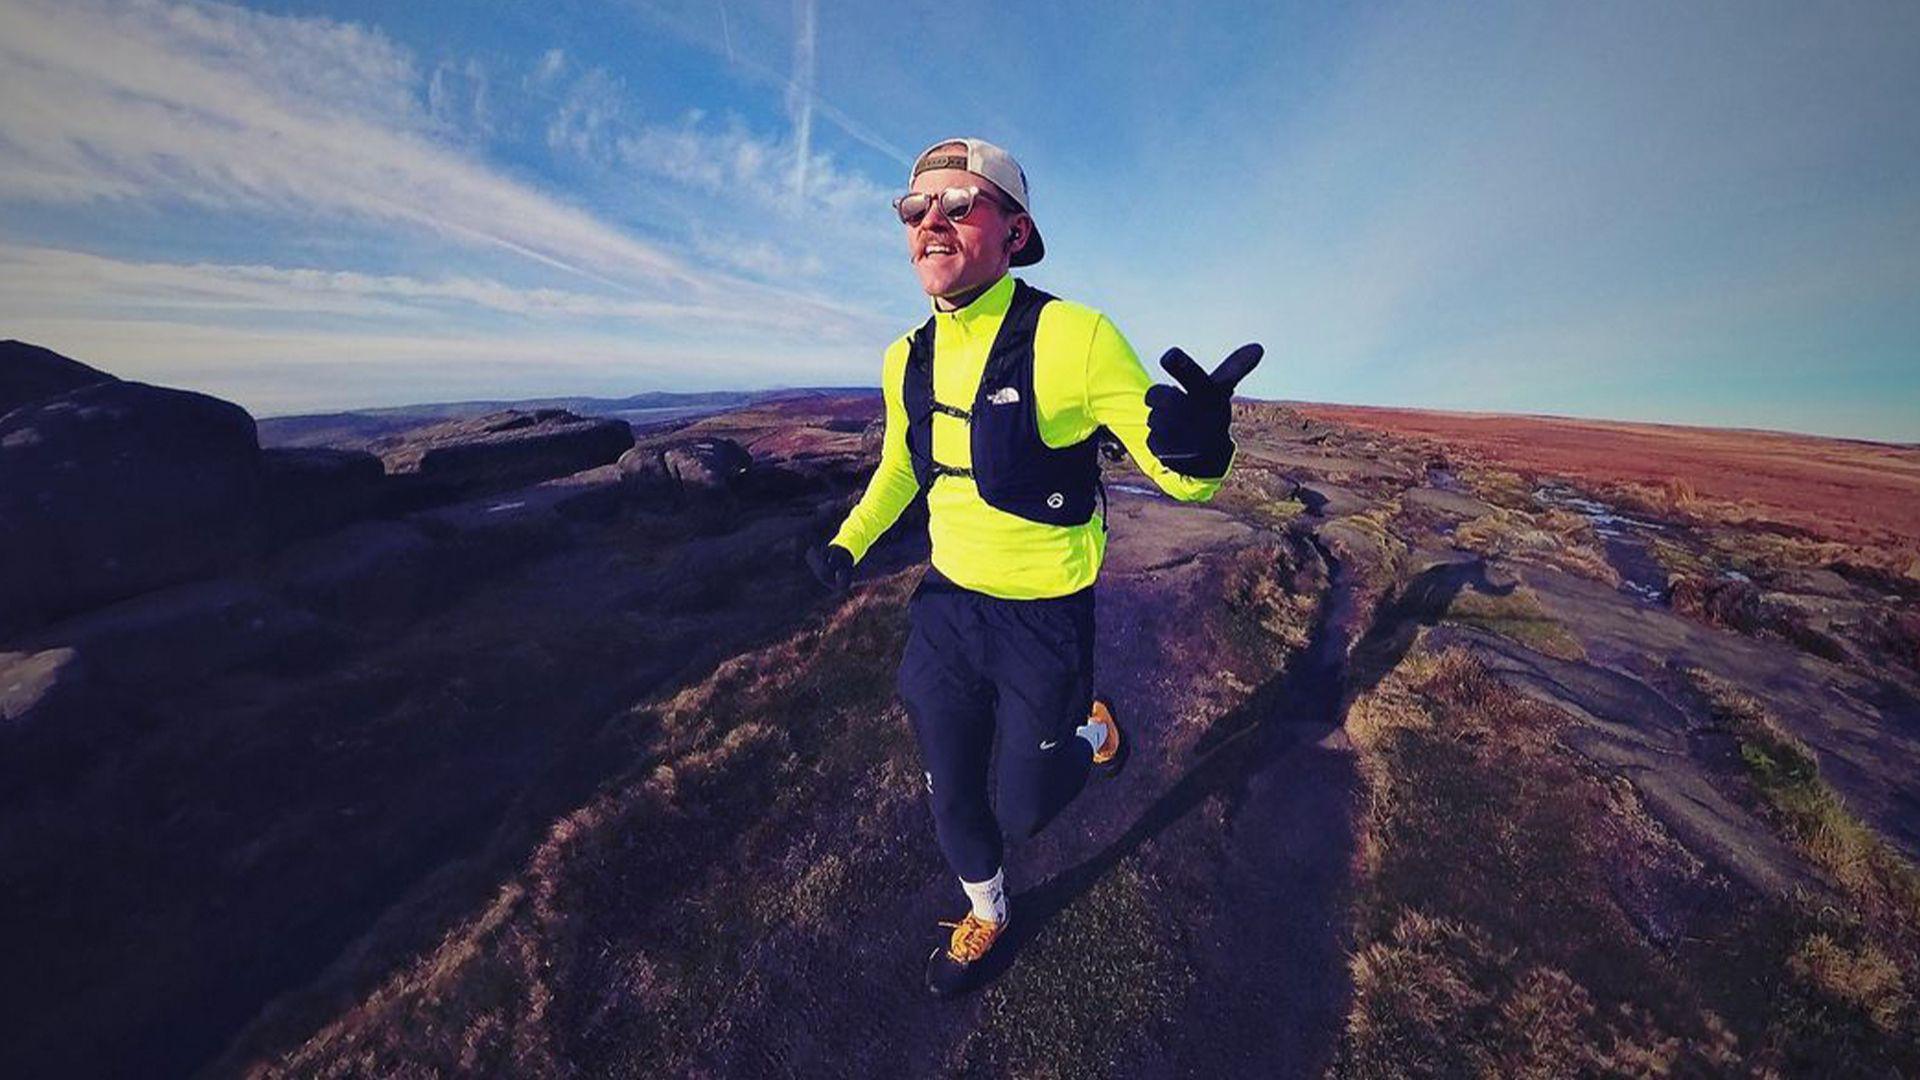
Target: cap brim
(1033,252)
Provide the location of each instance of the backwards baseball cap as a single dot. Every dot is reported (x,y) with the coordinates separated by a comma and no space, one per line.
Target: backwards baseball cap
(982,158)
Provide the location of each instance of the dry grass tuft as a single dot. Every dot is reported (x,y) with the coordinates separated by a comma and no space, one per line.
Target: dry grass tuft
(1520,914)
(628,942)
(1554,538)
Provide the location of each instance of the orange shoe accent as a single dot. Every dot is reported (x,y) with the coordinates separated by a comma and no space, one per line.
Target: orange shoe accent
(972,937)
(1111,746)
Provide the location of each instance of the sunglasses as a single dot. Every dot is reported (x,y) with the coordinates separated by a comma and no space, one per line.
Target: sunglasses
(955,204)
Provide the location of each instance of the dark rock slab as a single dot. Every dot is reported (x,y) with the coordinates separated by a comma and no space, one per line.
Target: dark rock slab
(29,373)
(118,488)
(1330,500)
(1447,503)
(181,636)
(371,571)
(504,449)
(313,490)
(52,719)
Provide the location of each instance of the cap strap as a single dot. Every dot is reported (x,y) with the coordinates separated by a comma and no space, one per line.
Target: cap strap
(940,161)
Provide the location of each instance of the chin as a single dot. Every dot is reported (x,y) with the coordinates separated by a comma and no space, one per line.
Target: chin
(939,284)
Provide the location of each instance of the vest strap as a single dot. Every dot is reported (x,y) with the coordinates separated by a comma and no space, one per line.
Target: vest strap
(957,414)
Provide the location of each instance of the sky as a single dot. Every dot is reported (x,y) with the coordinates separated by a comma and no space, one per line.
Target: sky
(1693,213)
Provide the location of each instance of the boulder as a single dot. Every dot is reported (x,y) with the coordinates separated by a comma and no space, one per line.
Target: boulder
(686,467)
(707,464)
(118,488)
(503,450)
(29,373)
(314,490)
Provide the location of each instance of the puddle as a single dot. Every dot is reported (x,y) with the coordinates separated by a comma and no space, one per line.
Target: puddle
(1626,539)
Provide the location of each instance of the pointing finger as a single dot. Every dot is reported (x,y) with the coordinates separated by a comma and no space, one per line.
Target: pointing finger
(1185,371)
(1236,366)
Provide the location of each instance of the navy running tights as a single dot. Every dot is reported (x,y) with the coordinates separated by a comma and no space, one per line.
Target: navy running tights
(976,666)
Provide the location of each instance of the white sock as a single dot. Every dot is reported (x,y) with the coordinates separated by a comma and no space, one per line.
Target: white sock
(1095,732)
(989,897)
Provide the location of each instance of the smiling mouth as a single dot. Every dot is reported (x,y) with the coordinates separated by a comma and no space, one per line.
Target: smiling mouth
(937,249)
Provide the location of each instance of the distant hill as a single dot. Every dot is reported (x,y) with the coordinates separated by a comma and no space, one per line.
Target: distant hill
(356,428)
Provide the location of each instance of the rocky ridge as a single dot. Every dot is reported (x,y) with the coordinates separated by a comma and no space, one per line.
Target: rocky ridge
(552,779)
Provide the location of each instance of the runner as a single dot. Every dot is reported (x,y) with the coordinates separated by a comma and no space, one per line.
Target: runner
(993,407)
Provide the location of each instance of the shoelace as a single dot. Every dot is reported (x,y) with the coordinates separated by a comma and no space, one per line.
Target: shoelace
(972,937)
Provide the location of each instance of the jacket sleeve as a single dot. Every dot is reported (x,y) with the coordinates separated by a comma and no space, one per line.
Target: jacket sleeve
(892,486)
(1117,398)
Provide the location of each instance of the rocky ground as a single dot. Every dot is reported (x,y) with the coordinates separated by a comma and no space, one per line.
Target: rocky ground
(1446,765)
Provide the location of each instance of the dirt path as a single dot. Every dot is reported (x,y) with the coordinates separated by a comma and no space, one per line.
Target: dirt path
(1235,812)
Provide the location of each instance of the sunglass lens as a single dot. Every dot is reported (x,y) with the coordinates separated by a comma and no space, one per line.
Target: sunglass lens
(913,207)
(956,203)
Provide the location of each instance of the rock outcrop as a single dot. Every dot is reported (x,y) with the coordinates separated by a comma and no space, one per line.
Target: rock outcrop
(313,490)
(118,488)
(686,467)
(500,450)
(29,373)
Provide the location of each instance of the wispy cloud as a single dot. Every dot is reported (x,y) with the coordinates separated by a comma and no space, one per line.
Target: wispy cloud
(230,109)
(310,128)
(53,280)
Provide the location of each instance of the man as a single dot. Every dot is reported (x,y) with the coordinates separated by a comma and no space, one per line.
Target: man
(992,407)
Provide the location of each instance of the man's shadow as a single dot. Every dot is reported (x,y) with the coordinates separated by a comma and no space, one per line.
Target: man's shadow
(1303,703)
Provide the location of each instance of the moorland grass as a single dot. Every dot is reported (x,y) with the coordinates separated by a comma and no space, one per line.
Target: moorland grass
(1507,890)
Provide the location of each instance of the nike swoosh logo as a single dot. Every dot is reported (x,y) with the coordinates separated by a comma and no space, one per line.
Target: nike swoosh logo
(1049,745)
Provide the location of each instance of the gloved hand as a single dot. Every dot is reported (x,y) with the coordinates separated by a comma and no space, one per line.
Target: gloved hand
(1187,425)
(832,564)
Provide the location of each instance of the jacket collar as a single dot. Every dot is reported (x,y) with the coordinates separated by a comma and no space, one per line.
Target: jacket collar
(983,314)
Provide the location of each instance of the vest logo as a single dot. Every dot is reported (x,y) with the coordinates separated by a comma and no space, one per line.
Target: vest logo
(1056,500)
(1006,395)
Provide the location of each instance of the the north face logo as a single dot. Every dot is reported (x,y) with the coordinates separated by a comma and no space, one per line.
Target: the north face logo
(1006,395)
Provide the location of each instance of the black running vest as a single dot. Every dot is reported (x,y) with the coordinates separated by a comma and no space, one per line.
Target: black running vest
(1013,469)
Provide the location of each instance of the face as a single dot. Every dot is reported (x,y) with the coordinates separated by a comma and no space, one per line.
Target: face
(953,257)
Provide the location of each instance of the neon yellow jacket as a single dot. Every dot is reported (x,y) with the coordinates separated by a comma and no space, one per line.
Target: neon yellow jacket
(1085,375)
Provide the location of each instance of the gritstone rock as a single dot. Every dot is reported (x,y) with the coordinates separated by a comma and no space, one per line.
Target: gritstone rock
(118,488)
(314,490)
(503,449)
(29,373)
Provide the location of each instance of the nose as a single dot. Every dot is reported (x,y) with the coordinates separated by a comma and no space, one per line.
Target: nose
(934,211)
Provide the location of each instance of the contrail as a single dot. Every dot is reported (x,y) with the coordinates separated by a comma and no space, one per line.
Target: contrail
(800,96)
(726,32)
(745,63)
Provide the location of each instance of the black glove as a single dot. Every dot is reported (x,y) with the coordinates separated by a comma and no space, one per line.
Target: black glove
(1187,425)
(832,564)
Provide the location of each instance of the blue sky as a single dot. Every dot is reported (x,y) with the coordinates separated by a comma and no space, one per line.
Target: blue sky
(1696,213)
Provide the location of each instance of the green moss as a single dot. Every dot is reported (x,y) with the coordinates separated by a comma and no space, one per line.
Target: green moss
(1518,617)
(1849,1002)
